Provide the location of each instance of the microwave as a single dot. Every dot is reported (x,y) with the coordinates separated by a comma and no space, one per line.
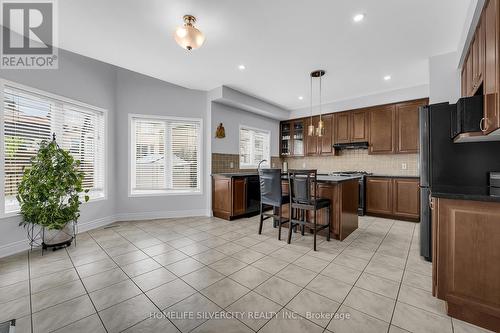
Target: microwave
(467,115)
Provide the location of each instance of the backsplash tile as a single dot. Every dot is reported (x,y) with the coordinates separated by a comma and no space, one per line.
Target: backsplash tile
(221,163)
(360,160)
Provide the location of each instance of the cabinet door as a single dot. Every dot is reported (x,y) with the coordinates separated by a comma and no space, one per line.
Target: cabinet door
(480,52)
(406,198)
(382,131)
(326,141)
(342,127)
(298,138)
(311,140)
(407,127)
(285,138)
(491,107)
(239,196)
(359,126)
(379,195)
(221,196)
(468,79)
(475,62)
(464,81)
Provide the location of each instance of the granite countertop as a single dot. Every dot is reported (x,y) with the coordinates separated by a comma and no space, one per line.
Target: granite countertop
(479,193)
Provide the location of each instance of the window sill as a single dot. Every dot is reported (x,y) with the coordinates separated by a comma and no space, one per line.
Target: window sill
(138,194)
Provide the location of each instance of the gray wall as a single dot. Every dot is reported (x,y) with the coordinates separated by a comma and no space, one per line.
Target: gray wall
(139,94)
(85,80)
(232,118)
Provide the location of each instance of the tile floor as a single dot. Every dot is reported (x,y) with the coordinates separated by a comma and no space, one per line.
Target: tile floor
(210,275)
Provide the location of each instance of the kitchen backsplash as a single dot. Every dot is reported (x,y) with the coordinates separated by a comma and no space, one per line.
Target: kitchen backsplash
(360,160)
(221,163)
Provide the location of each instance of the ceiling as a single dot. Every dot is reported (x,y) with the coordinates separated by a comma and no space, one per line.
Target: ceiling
(279,42)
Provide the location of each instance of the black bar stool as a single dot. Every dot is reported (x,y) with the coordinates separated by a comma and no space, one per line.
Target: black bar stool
(303,198)
(271,194)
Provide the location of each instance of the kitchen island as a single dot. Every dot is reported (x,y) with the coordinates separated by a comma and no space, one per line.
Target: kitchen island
(233,196)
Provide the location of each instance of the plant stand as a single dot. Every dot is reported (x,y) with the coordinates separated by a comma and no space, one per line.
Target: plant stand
(58,239)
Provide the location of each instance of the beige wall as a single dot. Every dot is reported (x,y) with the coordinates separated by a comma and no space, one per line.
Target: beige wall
(359,160)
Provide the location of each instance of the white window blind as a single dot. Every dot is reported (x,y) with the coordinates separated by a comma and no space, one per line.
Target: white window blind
(165,155)
(254,147)
(30,118)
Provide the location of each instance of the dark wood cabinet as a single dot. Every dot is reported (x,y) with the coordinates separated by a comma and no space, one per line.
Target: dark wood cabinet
(234,196)
(316,145)
(292,138)
(239,196)
(407,127)
(397,198)
(359,127)
(481,68)
(465,260)
(382,130)
(406,197)
(379,195)
(342,130)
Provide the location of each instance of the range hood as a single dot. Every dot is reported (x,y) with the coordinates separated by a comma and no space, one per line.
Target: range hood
(351,145)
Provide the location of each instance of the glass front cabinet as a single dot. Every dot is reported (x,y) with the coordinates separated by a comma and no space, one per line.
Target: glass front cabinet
(292,138)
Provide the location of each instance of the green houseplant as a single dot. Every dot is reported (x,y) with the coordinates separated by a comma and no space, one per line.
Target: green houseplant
(50,189)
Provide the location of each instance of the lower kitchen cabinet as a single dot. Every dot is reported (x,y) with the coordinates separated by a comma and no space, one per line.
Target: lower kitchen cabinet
(393,197)
(466,257)
(235,195)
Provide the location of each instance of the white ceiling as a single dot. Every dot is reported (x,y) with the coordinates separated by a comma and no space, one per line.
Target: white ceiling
(279,41)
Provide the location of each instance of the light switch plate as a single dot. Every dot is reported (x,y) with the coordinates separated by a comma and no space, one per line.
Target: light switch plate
(231,165)
(404,166)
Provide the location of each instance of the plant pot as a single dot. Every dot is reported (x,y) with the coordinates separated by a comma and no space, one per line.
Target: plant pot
(57,238)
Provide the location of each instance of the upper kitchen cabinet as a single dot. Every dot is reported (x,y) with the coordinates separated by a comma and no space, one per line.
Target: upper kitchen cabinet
(323,145)
(351,126)
(481,68)
(382,130)
(407,126)
(292,138)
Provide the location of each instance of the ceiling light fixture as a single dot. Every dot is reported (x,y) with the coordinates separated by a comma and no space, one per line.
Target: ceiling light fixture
(320,128)
(358,17)
(301,97)
(387,77)
(242,67)
(187,36)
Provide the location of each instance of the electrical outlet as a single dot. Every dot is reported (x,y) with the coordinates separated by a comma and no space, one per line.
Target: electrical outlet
(231,165)
(404,166)
(304,165)
(274,165)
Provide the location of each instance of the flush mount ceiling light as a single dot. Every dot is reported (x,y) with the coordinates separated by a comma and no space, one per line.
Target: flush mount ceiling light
(187,36)
(241,67)
(301,97)
(358,17)
(387,78)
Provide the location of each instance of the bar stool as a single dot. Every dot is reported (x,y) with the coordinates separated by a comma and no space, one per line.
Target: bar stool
(303,199)
(271,194)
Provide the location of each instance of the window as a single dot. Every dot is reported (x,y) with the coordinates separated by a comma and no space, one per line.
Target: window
(254,147)
(30,117)
(165,155)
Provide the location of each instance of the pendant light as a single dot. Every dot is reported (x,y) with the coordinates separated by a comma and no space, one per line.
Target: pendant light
(310,128)
(187,36)
(320,129)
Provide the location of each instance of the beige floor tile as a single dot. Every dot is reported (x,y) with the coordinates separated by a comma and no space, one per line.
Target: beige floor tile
(329,287)
(91,323)
(356,322)
(53,280)
(127,313)
(153,325)
(385,271)
(421,299)
(202,278)
(298,275)
(375,305)
(157,249)
(278,290)
(225,292)
(342,273)
(116,293)
(379,285)
(95,267)
(128,258)
(62,314)
(222,325)
(170,293)
(287,322)
(169,257)
(351,261)
(13,291)
(256,310)
(153,279)
(140,267)
(417,320)
(17,308)
(311,263)
(247,256)
(209,257)
(270,264)
(314,307)
(250,276)
(463,327)
(196,304)
(193,249)
(184,266)
(229,248)
(417,280)
(104,279)
(227,265)
(59,294)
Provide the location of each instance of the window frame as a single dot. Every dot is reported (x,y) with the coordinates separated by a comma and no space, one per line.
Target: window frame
(7,83)
(268,158)
(131,164)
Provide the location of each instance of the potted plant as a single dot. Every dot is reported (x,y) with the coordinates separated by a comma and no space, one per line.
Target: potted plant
(49,194)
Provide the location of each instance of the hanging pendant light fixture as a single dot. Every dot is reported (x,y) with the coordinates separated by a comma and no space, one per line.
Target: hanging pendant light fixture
(187,36)
(320,129)
(310,128)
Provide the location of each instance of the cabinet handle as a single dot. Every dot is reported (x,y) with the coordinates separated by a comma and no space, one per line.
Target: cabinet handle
(483,124)
(431,203)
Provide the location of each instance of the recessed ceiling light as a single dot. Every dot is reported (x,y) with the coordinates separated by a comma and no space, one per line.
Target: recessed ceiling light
(241,67)
(358,17)
(301,97)
(387,77)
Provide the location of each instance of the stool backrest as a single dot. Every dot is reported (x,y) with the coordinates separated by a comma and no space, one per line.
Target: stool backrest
(270,186)
(302,186)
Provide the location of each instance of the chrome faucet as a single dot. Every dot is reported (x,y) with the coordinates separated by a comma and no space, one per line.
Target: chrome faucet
(258,166)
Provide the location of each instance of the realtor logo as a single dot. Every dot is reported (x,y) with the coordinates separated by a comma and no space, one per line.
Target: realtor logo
(28,33)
